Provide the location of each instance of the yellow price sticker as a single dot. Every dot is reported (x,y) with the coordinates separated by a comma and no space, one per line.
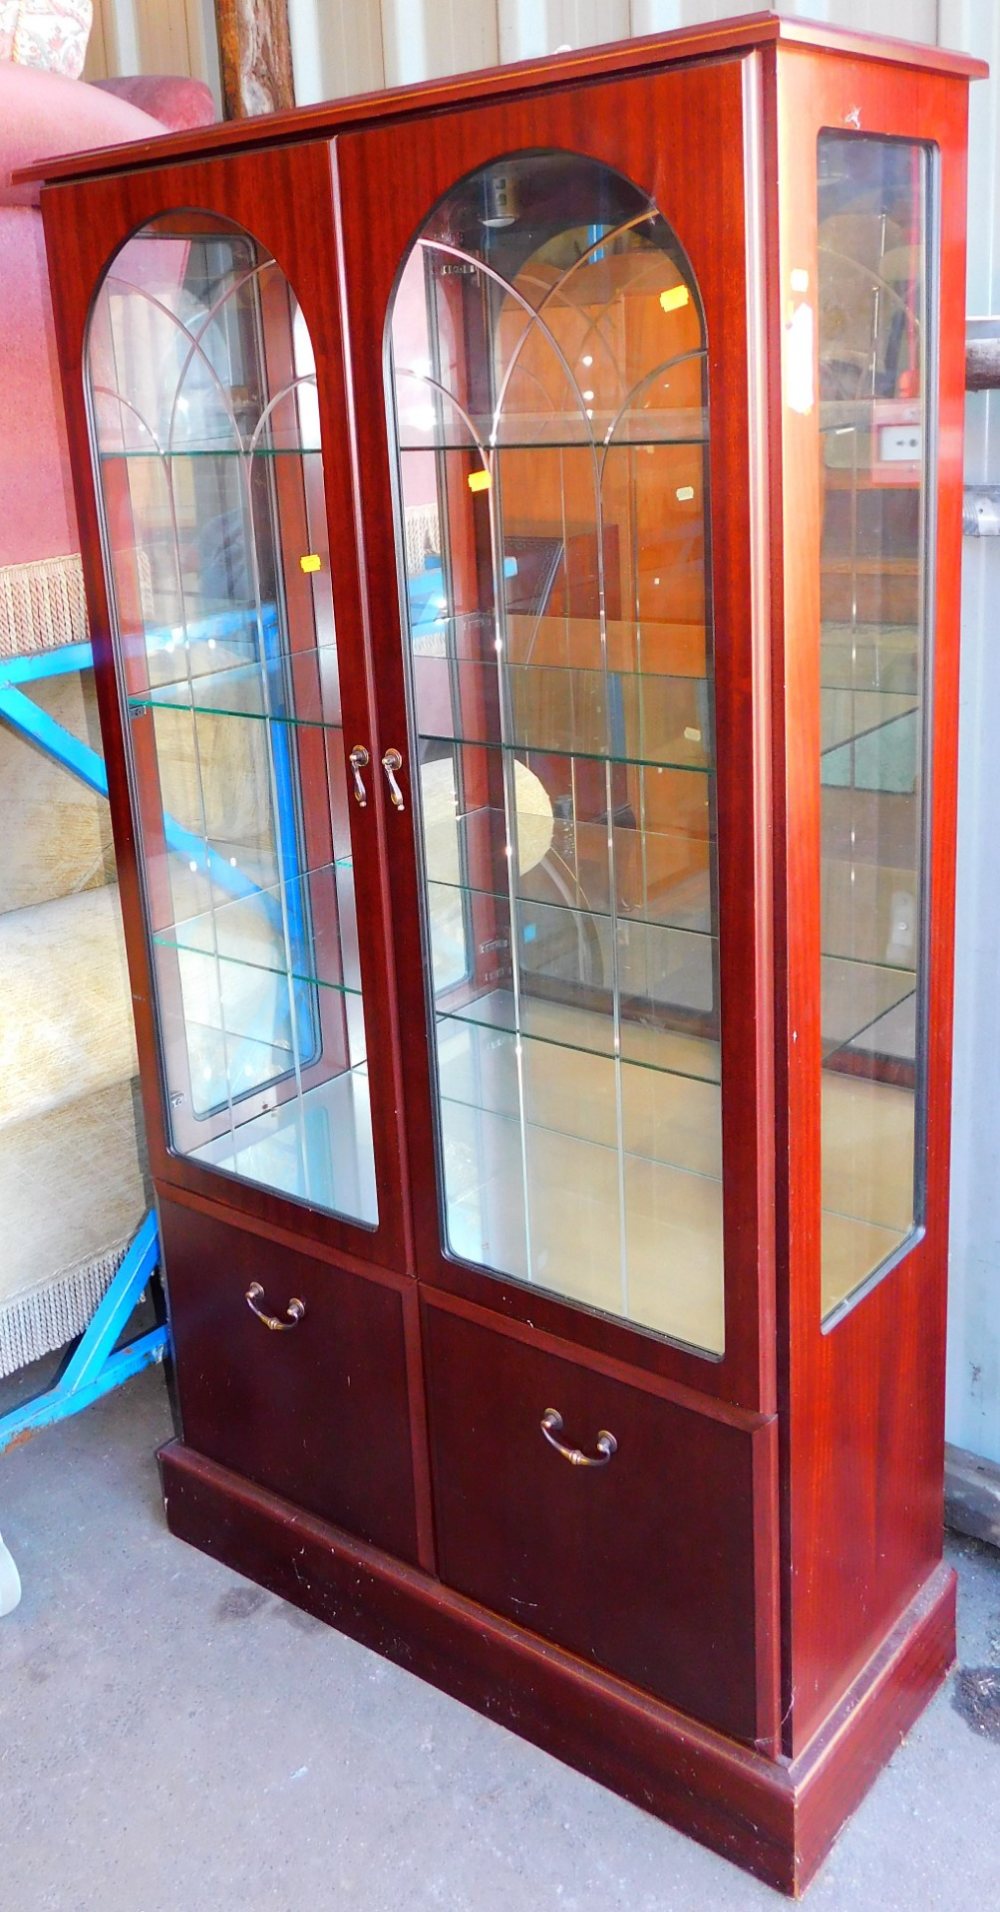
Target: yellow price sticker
(675,298)
(310,562)
(479,481)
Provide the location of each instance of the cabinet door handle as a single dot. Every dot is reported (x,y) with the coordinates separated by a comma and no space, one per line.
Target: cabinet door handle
(391,762)
(551,1425)
(294,1311)
(359,761)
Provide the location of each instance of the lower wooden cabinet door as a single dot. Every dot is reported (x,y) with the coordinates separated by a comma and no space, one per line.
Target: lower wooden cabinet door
(650,1562)
(316,1409)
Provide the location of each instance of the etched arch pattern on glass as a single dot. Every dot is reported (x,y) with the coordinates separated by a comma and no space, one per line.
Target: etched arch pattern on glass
(205,424)
(549,398)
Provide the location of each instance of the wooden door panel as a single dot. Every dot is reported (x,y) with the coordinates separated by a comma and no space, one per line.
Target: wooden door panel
(647,1565)
(316,1409)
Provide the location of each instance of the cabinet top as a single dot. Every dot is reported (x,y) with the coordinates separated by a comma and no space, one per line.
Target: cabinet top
(331,117)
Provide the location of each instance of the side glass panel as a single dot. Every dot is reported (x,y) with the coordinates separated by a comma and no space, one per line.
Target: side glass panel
(875,360)
(548,391)
(205,425)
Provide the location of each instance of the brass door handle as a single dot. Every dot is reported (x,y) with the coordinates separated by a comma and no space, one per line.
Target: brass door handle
(359,760)
(551,1425)
(391,762)
(294,1311)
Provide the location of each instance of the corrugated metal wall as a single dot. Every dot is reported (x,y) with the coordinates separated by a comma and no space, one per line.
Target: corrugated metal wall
(348,46)
(154,36)
(974,1315)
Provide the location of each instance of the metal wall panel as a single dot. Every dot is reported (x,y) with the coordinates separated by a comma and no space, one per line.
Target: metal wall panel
(154,36)
(335,49)
(974,1309)
(530,28)
(425,38)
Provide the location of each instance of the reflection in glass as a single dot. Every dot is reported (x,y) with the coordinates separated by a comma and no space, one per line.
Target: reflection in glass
(205,422)
(874,358)
(549,399)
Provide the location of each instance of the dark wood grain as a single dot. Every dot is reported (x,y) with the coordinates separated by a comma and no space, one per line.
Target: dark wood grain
(775,1820)
(863,1404)
(521,76)
(318,1412)
(832,1775)
(645,1565)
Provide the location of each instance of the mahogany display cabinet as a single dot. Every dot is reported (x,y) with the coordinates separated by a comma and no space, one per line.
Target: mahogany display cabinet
(522,523)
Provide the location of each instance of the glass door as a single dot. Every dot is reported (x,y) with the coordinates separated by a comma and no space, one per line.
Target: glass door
(876,299)
(558,300)
(205,414)
(549,386)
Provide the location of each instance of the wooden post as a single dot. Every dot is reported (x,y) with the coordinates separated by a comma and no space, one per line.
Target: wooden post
(255,57)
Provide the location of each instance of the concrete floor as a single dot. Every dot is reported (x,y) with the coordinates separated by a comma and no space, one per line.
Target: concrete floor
(172,1739)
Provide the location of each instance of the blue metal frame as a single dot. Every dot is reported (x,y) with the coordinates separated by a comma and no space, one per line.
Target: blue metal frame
(97,1364)
(35,724)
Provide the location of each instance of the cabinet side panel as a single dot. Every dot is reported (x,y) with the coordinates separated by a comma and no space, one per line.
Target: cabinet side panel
(862,1465)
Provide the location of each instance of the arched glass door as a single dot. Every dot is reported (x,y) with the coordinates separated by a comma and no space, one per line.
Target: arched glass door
(549,387)
(205,421)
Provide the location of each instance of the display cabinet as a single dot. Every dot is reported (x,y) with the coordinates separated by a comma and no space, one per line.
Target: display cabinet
(522,521)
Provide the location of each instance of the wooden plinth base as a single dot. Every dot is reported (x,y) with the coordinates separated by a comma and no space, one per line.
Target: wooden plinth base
(776,1819)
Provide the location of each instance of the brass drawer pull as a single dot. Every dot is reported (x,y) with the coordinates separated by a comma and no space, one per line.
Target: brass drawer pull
(391,762)
(551,1425)
(294,1311)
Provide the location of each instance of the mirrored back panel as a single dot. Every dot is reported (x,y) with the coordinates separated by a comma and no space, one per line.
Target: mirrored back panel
(549,401)
(205,424)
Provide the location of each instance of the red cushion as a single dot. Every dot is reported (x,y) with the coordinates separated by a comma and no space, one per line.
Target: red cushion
(43,115)
(177,103)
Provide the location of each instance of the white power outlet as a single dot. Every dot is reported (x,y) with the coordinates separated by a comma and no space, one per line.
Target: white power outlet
(900,444)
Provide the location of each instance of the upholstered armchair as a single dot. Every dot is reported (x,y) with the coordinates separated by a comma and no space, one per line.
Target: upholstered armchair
(71,1180)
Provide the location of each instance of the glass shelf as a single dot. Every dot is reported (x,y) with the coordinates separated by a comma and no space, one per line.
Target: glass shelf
(660,871)
(583,1179)
(315,1147)
(140,454)
(542,748)
(687,921)
(856,997)
(590,1032)
(628,717)
(295,687)
(552,431)
(851,716)
(289,929)
(875,650)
